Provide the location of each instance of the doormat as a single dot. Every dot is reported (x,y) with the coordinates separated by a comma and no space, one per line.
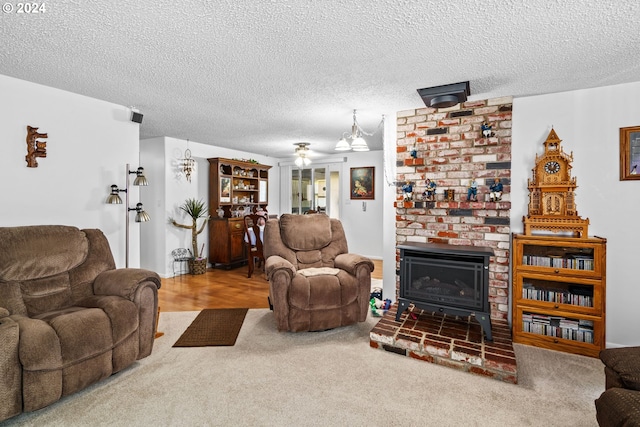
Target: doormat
(213,327)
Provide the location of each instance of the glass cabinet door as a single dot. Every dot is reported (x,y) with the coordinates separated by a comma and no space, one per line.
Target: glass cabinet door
(569,293)
(564,327)
(581,260)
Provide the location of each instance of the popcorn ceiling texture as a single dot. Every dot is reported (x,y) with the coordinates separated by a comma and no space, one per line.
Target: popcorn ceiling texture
(261,75)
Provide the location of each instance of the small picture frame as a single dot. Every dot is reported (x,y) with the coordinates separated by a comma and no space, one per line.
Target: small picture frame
(225,190)
(630,153)
(363,183)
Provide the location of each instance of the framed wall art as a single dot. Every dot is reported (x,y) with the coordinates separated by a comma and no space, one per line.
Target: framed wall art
(630,153)
(363,183)
(225,190)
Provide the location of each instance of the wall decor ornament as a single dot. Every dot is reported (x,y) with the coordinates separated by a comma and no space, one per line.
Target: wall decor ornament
(429,193)
(486,130)
(35,148)
(407,189)
(630,153)
(187,163)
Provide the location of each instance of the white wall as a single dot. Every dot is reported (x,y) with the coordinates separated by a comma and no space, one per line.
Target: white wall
(588,122)
(363,229)
(89,143)
(389,190)
(159,157)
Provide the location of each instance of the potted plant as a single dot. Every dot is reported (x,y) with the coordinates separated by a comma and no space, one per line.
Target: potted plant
(196,209)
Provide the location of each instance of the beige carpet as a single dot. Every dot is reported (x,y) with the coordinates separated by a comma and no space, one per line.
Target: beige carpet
(323,378)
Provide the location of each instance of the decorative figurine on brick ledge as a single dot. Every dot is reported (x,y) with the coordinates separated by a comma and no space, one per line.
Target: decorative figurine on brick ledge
(486,130)
(407,188)
(430,193)
(495,190)
(472,191)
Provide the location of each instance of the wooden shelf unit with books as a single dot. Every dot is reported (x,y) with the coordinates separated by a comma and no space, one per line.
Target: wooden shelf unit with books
(559,292)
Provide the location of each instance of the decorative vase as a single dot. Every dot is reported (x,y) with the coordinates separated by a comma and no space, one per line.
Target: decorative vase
(197,266)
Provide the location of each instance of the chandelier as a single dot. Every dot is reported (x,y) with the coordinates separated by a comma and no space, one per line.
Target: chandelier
(357,141)
(302,151)
(187,163)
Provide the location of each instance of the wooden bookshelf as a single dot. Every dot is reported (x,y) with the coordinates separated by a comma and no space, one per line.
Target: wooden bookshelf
(559,293)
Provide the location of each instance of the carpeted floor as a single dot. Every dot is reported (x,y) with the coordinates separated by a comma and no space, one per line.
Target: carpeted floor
(323,378)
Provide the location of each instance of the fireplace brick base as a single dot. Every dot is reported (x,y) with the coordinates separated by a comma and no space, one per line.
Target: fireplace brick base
(452,341)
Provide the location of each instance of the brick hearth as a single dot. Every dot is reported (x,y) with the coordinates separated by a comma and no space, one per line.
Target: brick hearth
(456,342)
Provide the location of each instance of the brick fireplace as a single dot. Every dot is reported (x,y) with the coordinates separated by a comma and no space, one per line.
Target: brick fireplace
(452,147)
(450,150)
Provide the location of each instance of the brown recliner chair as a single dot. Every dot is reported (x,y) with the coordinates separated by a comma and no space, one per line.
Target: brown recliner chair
(314,283)
(68,317)
(619,404)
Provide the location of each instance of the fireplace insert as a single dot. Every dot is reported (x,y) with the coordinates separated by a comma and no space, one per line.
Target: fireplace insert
(448,279)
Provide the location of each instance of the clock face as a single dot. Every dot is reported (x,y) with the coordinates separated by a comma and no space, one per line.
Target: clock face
(552,167)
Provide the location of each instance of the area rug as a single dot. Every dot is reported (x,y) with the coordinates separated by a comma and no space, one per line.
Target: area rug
(213,327)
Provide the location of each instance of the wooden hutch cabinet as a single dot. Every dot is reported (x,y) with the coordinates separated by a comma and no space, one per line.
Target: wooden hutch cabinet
(234,186)
(559,293)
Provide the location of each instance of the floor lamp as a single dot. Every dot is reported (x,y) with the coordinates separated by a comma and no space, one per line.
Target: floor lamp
(114,199)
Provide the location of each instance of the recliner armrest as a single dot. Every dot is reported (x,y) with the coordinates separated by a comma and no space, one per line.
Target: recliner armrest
(11,379)
(351,262)
(276,263)
(123,282)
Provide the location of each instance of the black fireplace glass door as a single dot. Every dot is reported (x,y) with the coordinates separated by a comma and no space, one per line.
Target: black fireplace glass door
(449,281)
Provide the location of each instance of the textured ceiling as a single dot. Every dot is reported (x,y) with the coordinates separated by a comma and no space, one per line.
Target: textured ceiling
(261,75)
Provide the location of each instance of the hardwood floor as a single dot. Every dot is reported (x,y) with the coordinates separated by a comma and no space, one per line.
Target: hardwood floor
(219,288)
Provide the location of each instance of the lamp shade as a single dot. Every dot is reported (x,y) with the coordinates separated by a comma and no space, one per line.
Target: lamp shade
(114,197)
(141,215)
(302,161)
(359,144)
(342,145)
(140,178)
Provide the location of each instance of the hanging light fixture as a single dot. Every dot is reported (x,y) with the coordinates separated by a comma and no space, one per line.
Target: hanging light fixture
(187,163)
(357,141)
(301,154)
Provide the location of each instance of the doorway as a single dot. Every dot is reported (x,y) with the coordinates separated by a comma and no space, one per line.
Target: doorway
(315,189)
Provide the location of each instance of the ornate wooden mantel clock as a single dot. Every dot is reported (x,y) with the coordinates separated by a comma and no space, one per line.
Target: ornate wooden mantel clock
(552,205)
